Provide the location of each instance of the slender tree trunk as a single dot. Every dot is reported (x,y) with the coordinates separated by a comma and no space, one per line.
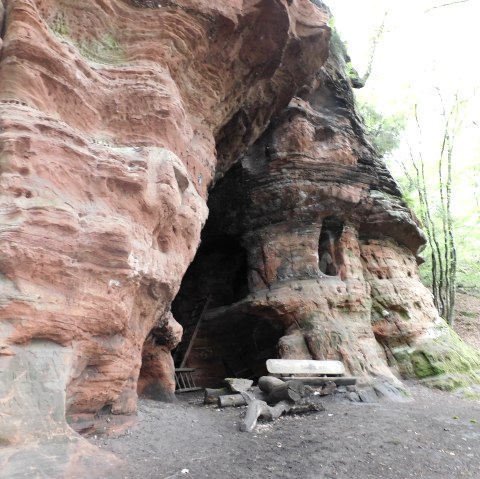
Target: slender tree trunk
(440,228)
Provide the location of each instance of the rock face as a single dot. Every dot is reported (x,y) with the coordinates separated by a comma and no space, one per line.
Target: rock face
(329,248)
(116,118)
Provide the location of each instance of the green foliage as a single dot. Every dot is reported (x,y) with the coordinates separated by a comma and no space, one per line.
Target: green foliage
(468,244)
(352,73)
(468,258)
(331,22)
(466,219)
(409,194)
(384,132)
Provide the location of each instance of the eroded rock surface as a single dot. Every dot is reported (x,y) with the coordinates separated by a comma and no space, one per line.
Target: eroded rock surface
(115,117)
(330,252)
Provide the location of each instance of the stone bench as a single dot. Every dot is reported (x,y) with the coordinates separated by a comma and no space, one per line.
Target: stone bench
(286,367)
(313,372)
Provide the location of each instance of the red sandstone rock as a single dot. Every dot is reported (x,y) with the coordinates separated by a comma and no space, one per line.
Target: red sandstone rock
(115,116)
(330,251)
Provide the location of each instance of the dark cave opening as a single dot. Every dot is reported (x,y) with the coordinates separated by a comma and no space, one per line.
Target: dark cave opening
(329,255)
(219,272)
(221,340)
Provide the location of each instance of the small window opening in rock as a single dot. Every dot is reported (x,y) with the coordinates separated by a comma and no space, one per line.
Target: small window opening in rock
(106,409)
(329,256)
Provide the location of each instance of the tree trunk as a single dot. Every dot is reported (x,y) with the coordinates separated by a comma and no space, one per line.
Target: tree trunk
(267,383)
(232,400)
(212,395)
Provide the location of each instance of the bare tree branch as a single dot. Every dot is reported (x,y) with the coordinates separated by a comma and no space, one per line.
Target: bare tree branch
(357,81)
(445,5)
(375,41)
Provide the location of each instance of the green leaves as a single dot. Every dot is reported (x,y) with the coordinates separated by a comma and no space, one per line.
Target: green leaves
(384,132)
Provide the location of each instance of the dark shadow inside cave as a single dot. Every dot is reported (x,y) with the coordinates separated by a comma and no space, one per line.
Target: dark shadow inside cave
(329,255)
(219,271)
(227,342)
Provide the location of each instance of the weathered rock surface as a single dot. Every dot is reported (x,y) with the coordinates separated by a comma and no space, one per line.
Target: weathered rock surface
(330,252)
(115,117)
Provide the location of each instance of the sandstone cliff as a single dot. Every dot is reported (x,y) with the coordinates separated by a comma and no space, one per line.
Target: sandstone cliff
(329,252)
(117,117)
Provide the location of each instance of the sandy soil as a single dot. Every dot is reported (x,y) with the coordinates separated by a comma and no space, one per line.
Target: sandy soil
(435,436)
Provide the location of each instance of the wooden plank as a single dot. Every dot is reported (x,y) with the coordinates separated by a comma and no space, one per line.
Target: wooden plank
(304,366)
(186,390)
(195,332)
(318,381)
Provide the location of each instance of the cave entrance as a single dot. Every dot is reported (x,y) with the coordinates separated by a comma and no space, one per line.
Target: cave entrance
(226,342)
(329,256)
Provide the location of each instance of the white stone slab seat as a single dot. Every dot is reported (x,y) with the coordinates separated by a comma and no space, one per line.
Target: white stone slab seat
(311,372)
(285,367)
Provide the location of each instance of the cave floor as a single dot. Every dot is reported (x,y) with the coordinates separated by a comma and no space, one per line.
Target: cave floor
(435,436)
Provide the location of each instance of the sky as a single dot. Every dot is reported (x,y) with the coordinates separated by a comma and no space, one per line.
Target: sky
(425,53)
(420,49)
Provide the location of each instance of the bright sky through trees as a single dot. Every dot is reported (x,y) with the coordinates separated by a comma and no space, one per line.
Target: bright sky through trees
(426,57)
(424,51)
(421,47)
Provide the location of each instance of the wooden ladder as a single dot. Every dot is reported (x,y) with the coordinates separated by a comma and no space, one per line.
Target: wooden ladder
(184,379)
(195,332)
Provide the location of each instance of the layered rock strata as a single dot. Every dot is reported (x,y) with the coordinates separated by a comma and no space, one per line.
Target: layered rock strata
(115,117)
(331,254)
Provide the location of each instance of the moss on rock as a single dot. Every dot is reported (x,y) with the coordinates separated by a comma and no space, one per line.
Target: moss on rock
(443,362)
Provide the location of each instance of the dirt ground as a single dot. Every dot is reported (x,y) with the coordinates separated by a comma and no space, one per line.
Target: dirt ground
(435,436)
(467,320)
